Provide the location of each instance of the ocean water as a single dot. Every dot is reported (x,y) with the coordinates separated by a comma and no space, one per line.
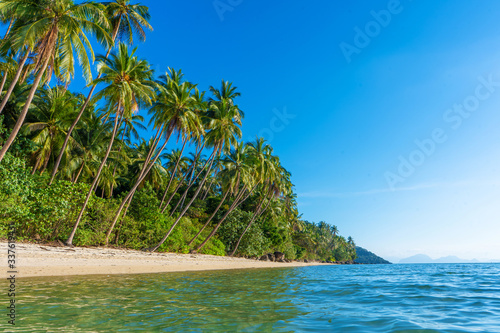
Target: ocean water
(358,298)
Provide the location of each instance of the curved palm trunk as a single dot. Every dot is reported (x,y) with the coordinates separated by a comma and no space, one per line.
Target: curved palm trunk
(147,167)
(257,211)
(182,180)
(211,159)
(82,110)
(192,176)
(8,29)
(4,79)
(96,179)
(116,165)
(79,172)
(174,172)
(210,219)
(14,81)
(140,177)
(46,162)
(191,182)
(235,204)
(24,112)
(35,167)
(173,193)
(181,200)
(209,186)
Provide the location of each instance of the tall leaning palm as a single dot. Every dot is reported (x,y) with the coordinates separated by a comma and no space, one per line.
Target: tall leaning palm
(125,20)
(223,121)
(128,82)
(53,28)
(174,111)
(237,170)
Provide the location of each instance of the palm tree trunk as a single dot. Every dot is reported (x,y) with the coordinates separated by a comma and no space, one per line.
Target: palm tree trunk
(96,179)
(174,172)
(84,106)
(140,177)
(181,200)
(68,134)
(122,220)
(24,112)
(229,211)
(47,158)
(116,165)
(173,193)
(209,186)
(4,79)
(36,165)
(79,172)
(210,219)
(211,159)
(257,211)
(183,178)
(190,184)
(147,167)
(14,81)
(8,29)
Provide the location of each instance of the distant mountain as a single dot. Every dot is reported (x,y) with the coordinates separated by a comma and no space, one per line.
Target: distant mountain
(366,257)
(425,259)
(417,259)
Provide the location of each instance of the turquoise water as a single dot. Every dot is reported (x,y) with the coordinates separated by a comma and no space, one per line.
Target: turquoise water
(378,298)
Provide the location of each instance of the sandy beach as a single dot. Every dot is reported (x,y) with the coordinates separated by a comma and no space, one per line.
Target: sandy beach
(34,260)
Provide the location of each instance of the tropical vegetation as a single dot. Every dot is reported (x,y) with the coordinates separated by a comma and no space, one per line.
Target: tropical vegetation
(81,169)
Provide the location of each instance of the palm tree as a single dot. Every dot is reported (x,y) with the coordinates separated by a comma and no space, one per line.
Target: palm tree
(334,230)
(55,28)
(351,247)
(52,111)
(92,140)
(174,111)
(237,170)
(13,83)
(107,181)
(7,67)
(157,173)
(223,120)
(175,161)
(193,163)
(125,20)
(8,16)
(128,83)
(130,125)
(266,168)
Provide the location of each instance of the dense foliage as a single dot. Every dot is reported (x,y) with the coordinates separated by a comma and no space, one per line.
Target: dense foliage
(77,169)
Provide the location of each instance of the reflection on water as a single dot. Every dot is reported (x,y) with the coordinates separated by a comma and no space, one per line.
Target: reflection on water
(380,298)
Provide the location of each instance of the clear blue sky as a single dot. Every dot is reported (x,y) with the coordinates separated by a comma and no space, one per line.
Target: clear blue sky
(343,110)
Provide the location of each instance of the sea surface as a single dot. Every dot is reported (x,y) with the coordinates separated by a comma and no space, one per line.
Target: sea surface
(353,298)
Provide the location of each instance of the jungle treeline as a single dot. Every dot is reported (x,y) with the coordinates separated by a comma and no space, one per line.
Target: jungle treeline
(76,167)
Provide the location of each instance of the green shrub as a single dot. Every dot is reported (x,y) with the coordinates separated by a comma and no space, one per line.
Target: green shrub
(253,243)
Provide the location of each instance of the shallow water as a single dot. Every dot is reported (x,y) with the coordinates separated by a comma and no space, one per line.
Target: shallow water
(359,298)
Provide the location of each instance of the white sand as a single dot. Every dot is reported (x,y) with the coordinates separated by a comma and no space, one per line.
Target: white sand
(42,260)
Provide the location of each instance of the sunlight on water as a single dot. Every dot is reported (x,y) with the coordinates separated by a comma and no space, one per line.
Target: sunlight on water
(379,298)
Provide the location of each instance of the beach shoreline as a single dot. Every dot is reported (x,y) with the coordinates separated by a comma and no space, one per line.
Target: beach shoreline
(37,260)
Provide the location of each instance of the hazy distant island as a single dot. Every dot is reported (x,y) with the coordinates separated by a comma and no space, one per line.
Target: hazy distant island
(425,259)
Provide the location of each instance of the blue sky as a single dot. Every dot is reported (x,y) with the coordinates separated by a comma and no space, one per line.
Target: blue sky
(344,125)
